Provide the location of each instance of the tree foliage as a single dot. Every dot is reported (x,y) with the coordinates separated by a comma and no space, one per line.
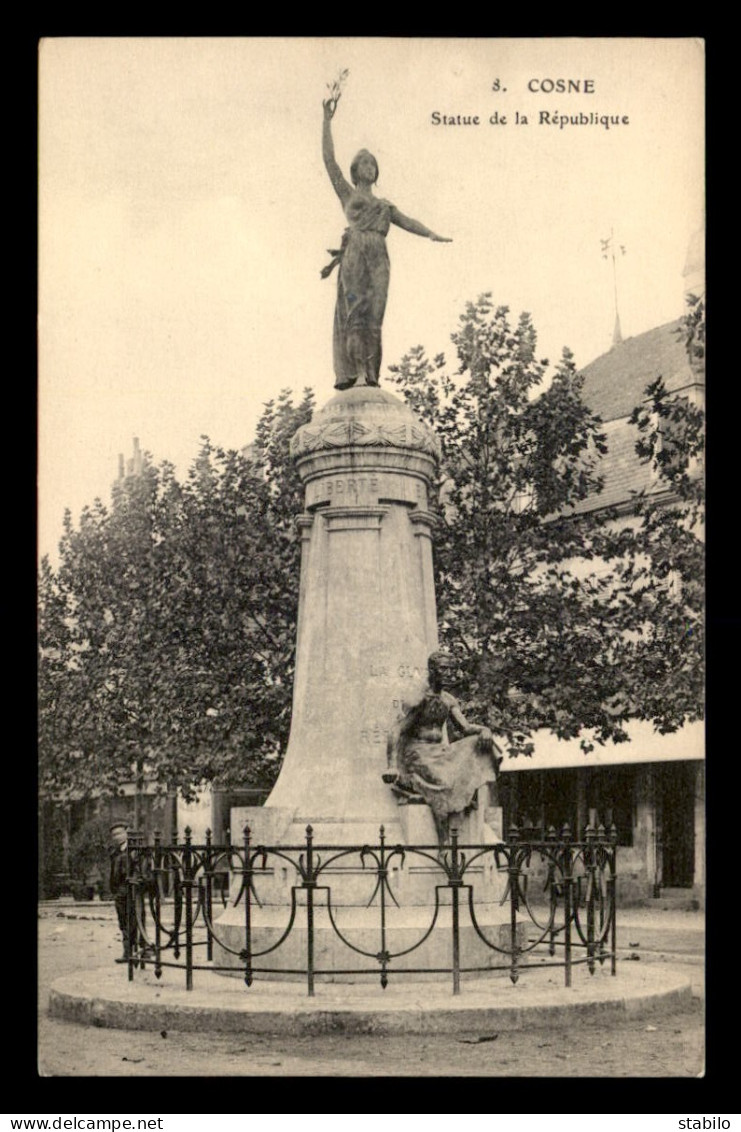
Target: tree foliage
(694,330)
(667,572)
(89,849)
(562,616)
(167,631)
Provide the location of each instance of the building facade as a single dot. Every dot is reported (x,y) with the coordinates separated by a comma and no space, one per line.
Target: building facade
(652,788)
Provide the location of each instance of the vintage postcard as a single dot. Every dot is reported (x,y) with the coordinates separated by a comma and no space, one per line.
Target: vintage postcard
(222,220)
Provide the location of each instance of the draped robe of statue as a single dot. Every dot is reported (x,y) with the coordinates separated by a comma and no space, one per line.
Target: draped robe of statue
(446,774)
(363,279)
(362,290)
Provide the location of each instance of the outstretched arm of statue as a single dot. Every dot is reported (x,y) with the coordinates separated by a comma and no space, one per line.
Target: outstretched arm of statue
(339,184)
(486,739)
(414,226)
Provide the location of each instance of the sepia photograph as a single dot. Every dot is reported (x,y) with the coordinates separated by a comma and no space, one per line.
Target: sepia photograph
(371,600)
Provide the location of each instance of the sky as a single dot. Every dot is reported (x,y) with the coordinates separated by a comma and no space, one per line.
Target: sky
(185,215)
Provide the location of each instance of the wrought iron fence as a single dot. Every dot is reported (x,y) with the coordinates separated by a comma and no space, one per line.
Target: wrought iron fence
(173,900)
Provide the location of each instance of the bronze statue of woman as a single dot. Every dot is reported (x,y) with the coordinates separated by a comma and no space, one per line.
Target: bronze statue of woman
(425,763)
(362,286)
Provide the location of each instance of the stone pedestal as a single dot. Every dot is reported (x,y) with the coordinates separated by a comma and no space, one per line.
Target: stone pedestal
(367,618)
(366,626)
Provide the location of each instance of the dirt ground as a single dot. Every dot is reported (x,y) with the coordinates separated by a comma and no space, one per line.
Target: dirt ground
(667,1045)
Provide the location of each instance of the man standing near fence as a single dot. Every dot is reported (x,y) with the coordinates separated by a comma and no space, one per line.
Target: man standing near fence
(119,883)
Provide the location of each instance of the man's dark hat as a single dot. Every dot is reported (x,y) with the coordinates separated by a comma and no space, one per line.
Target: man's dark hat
(118,825)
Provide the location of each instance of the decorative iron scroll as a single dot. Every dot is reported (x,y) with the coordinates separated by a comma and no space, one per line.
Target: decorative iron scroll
(174,898)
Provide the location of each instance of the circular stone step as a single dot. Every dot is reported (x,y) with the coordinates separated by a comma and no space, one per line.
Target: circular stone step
(104,997)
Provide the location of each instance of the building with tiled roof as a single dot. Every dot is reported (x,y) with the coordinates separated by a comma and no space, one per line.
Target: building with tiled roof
(614,384)
(653,786)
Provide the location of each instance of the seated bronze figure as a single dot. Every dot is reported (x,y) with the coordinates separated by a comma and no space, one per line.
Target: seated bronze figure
(424,765)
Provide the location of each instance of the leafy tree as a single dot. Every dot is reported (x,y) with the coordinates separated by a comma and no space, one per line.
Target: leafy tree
(89,860)
(167,632)
(694,330)
(662,574)
(668,568)
(557,613)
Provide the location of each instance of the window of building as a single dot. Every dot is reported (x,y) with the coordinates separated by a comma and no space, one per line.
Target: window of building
(541,799)
(610,799)
(597,795)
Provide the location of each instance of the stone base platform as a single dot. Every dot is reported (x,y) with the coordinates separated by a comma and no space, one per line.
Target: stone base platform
(405,928)
(105,998)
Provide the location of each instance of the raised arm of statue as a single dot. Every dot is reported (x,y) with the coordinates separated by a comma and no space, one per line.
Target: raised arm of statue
(362,258)
(339,184)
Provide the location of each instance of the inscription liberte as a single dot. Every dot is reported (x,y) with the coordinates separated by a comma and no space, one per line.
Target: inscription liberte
(357,484)
(352,486)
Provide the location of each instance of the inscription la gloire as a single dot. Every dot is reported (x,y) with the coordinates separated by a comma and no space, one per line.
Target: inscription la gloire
(404,670)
